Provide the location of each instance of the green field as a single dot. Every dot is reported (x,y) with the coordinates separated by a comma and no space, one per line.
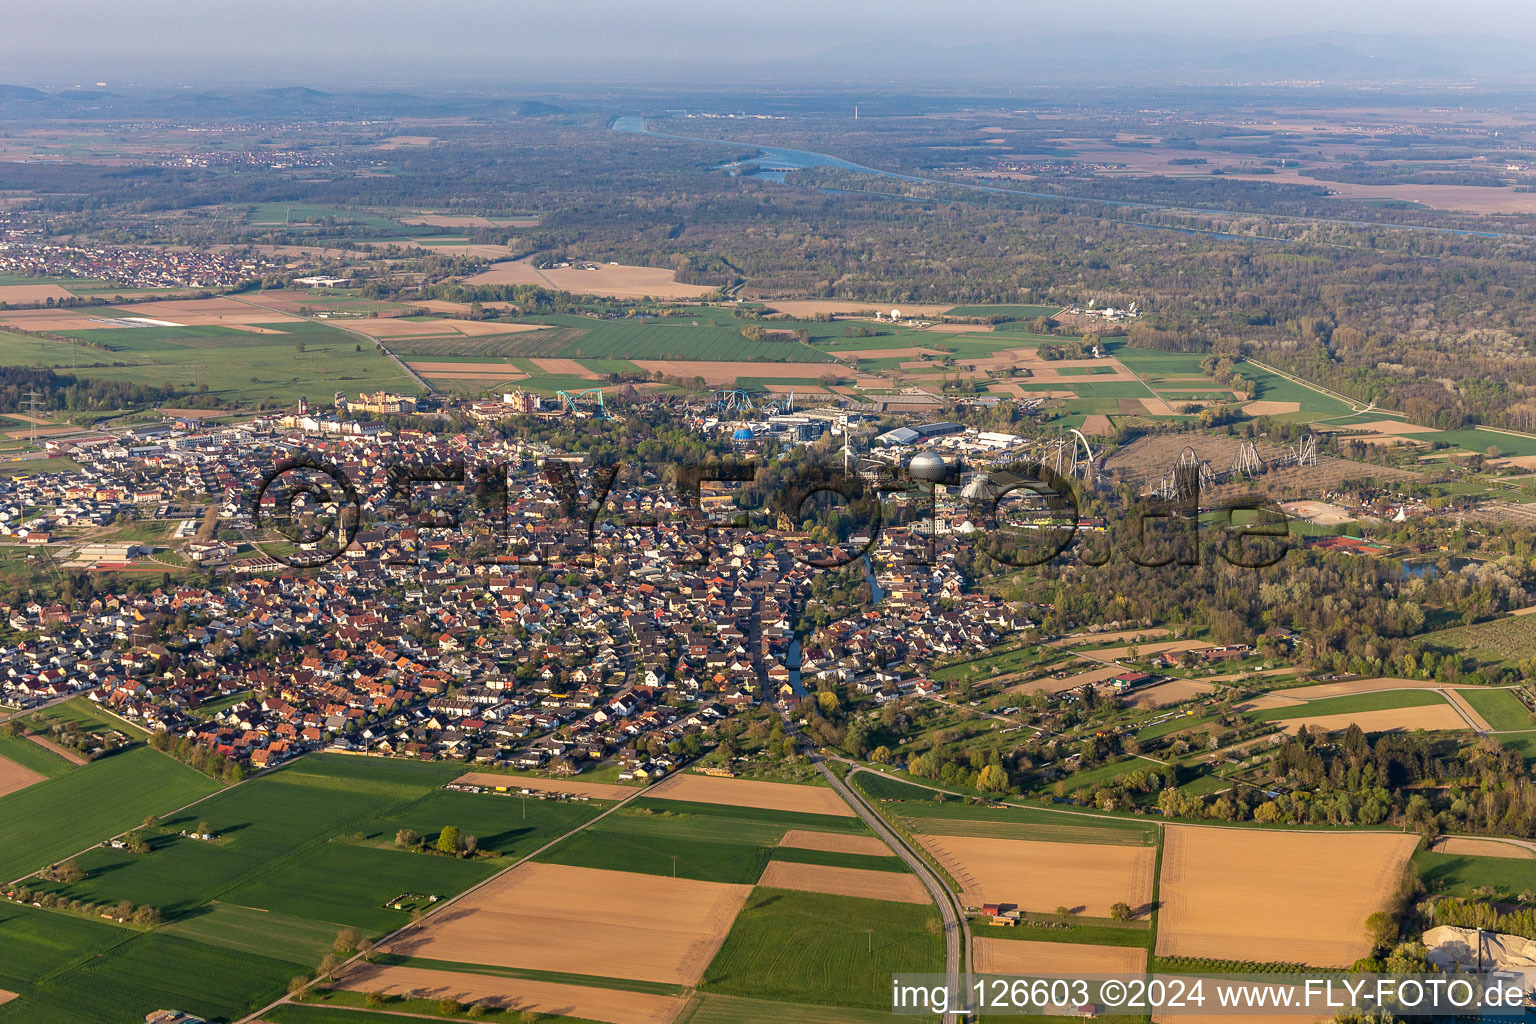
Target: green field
(54,819)
(879,786)
(298,855)
(581,337)
(1498,641)
(1090,931)
(1499,708)
(67,970)
(299,940)
(711,1008)
(296,214)
(287,843)
(1016,312)
(1352,704)
(1274,388)
(237,366)
(1447,874)
(958,819)
(824,950)
(22,751)
(711,843)
(864,861)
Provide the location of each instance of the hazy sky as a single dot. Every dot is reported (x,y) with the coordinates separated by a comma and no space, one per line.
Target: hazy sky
(66,41)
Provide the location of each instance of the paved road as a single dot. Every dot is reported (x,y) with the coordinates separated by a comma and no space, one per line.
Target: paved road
(951,910)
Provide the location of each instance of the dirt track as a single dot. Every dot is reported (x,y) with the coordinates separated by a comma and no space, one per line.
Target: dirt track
(64,752)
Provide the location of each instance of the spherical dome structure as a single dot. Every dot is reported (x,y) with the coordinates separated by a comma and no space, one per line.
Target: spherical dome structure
(743,434)
(928,466)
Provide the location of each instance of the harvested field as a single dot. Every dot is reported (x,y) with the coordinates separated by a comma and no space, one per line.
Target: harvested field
(1433,717)
(1319,512)
(550,917)
(1346,687)
(1174,691)
(1039,877)
(1156,406)
(595,790)
(889,353)
(1146,650)
(1389,427)
(203,312)
(1270,408)
(1023,956)
(773,796)
(565,366)
(542,997)
(64,752)
(508,377)
(1072,682)
(1268,896)
(835,842)
(14,777)
(25,293)
(730,372)
(1465,846)
(58,319)
(619,282)
(6,997)
(1079,639)
(1097,425)
(895,886)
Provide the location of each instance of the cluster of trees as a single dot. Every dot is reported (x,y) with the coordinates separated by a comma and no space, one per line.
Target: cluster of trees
(196,755)
(1488,916)
(983,770)
(450,841)
(67,392)
(123,911)
(1360,780)
(66,733)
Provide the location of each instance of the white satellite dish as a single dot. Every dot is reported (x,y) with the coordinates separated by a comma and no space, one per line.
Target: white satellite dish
(895,314)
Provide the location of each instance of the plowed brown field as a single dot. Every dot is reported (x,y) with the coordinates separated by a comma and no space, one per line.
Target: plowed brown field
(1274,897)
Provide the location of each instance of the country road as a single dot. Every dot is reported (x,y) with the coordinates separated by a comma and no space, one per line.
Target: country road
(951,910)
